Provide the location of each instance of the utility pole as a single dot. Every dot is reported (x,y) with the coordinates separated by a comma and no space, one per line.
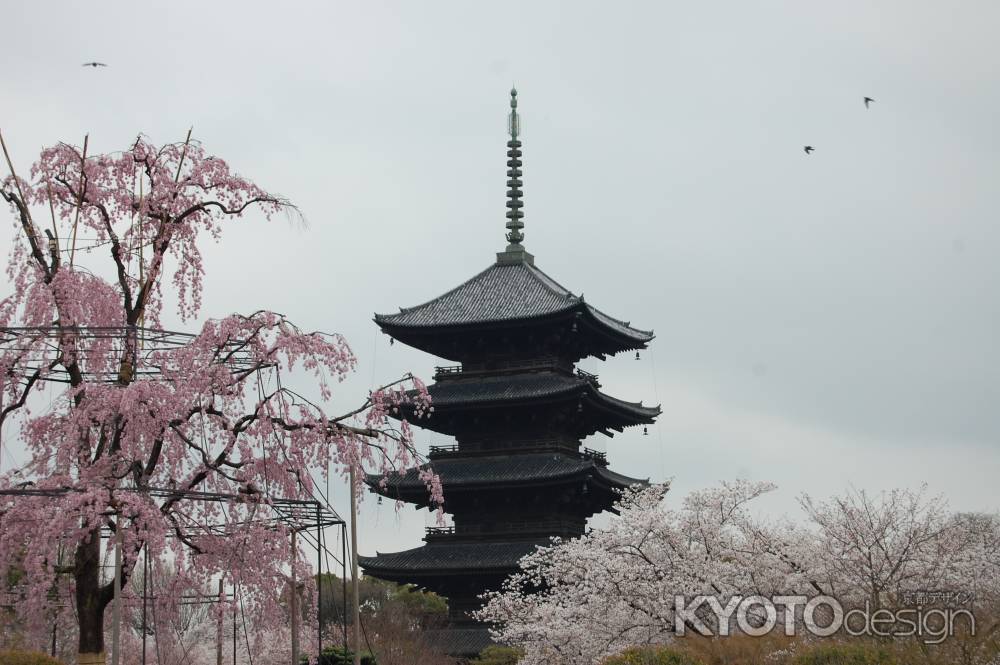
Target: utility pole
(354,572)
(294,605)
(117,611)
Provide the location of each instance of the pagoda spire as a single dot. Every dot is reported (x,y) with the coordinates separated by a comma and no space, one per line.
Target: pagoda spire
(515,252)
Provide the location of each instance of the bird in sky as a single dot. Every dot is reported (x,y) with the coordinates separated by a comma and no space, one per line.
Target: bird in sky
(94,64)
(868,100)
(808,149)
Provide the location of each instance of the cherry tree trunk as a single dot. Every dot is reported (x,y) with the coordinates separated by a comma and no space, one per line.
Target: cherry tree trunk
(90,600)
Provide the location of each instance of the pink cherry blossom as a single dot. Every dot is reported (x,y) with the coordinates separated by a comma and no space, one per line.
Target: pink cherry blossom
(208,415)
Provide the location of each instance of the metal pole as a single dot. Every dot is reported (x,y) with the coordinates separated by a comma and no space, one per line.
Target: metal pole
(156,634)
(55,616)
(319,582)
(343,576)
(218,628)
(145,586)
(294,603)
(354,572)
(234,625)
(117,610)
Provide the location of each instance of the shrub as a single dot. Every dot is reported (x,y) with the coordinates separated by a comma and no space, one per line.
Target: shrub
(26,658)
(845,654)
(736,649)
(342,656)
(498,655)
(652,656)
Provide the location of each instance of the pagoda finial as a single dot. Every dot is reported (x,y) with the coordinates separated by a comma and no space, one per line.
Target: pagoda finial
(515,252)
(514,203)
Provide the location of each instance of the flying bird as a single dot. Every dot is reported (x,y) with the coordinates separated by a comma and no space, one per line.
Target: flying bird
(868,100)
(808,149)
(94,64)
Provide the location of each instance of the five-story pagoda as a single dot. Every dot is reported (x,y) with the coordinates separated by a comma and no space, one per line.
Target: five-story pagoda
(518,409)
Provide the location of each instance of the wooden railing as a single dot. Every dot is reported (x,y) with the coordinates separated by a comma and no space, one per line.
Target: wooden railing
(495,447)
(456,371)
(533,364)
(596,455)
(524,527)
(437,451)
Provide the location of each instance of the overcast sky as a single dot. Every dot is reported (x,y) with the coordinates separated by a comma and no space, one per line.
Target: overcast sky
(822,320)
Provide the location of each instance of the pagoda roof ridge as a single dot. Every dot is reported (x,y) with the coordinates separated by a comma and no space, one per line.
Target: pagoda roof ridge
(552,286)
(505,291)
(404,310)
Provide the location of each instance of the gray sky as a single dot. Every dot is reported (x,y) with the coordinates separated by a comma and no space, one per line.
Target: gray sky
(821,320)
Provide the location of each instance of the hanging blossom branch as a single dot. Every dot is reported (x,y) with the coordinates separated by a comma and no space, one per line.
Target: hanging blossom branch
(211,415)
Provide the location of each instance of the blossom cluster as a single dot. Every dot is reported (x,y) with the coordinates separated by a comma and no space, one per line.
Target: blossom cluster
(581,600)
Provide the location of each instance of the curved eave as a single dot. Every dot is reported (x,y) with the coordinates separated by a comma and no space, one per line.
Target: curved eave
(396,489)
(449,559)
(618,481)
(529,389)
(621,332)
(617,335)
(496,474)
(642,415)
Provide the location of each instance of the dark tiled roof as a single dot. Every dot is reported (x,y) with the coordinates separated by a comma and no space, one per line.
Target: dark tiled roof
(504,388)
(466,642)
(533,385)
(505,469)
(503,292)
(451,557)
